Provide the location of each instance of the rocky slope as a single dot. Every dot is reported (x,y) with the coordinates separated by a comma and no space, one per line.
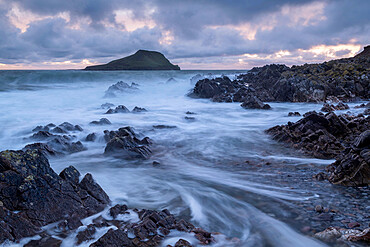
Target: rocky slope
(141,60)
(344,79)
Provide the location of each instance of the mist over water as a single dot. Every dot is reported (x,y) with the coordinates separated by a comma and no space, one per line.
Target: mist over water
(202,174)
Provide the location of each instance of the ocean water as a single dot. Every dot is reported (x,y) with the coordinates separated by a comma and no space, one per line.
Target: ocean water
(203,175)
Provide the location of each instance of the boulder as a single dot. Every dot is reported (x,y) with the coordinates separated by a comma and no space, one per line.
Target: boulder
(126,144)
(118,109)
(119,88)
(102,121)
(254,103)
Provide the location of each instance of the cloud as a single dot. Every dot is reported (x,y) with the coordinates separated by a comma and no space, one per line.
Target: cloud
(211,31)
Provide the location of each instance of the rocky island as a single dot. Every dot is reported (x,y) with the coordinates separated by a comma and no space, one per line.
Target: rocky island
(141,60)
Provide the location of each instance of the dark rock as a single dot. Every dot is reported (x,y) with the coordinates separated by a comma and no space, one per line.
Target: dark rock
(44,148)
(113,238)
(41,135)
(182,243)
(329,108)
(44,242)
(294,114)
(255,103)
(161,126)
(70,127)
(91,137)
(40,128)
(102,121)
(156,163)
(190,118)
(125,143)
(190,113)
(319,208)
(117,209)
(139,109)
(118,109)
(30,186)
(86,235)
(58,130)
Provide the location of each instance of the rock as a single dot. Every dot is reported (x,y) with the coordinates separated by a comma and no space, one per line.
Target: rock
(91,137)
(353,224)
(367,111)
(139,109)
(117,209)
(44,242)
(70,127)
(183,243)
(40,128)
(30,186)
(190,113)
(118,109)
(319,208)
(44,148)
(119,88)
(86,235)
(102,121)
(156,163)
(363,140)
(189,118)
(363,105)
(294,114)
(333,234)
(107,105)
(125,143)
(41,135)
(161,126)
(113,238)
(329,108)
(255,103)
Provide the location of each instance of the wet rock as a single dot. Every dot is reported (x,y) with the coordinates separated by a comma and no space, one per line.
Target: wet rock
(58,130)
(182,243)
(41,128)
(41,135)
(343,137)
(44,148)
(126,144)
(118,109)
(139,109)
(162,126)
(189,118)
(319,209)
(367,112)
(156,163)
(113,238)
(86,235)
(70,127)
(294,114)
(44,242)
(91,137)
(102,121)
(107,105)
(190,113)
(333,234)
(30,186)
(117,209)
(254,103)
(329,108)
(119,88)
(353,224)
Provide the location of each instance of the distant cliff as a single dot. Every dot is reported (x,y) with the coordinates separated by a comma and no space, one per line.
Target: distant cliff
(141,60)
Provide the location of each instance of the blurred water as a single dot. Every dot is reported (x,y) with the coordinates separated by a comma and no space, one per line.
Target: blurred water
(198,177)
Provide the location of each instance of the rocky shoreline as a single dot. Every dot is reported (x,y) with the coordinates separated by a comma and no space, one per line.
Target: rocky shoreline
(32,195)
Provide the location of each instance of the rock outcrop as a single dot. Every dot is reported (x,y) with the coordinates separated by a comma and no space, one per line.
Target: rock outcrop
(345,138)
(126,144)
(32,195)
(344,79)
(141,60)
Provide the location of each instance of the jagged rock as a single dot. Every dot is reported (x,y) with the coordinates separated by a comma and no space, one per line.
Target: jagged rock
(44,148)
(329,108)
(102,121)
(125,143)
(118,109)
(189,118)
(139,109)
(119,88)
(255,103)
(294,114)
(113,238)
(86,235)
(182,243)
(343,137)
(44,242)
(30,186)
(90,137)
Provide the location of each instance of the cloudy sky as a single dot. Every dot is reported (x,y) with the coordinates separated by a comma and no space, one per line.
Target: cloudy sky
(196,34)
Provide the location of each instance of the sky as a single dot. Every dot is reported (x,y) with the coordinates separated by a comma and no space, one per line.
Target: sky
(195,34)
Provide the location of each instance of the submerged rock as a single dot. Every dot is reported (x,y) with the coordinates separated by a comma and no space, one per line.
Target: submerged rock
(139,109)
(294,114)
(334,234)
(118,109)
(119,88)
(107,105)
(125,143)
(102,121)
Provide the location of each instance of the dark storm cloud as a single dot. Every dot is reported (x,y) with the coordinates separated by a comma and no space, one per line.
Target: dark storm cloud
(203,28)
